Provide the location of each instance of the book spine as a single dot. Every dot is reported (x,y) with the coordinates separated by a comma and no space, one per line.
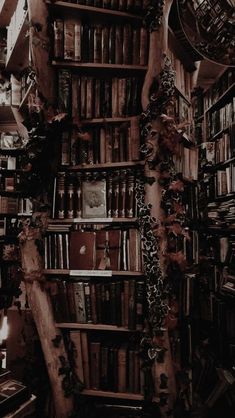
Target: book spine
(79,298)
(126,303)
(108,145)
(140,297)
(122,366)
(127,34)
(69,40)
(136,372)
(91,35)
(115,109)
(93,304)
(109,194)
(122,195)
(85,359)
(58,27)
(104,368)
(118,45)
(116,144)
(136,46)
(105,45)
(115,195)
(135,139)
(87,295)
(112,42)
(71,302)
(143,46)
(78,196)
(70,198)
(77,41)
(61,195)
(95,349)
(64,91)
(132,309)
(98,44)
(130,195)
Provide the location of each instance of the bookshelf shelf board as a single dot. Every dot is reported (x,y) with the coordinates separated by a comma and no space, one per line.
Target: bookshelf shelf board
(24,100)
(219,103)
(123,164)
(16,61)
(96,327)
(96,66)
(117,395)
(84,10)
(218,134)
(92,220)
(225,196)
(91,273)
(217,166)
(178,91)
(106,120)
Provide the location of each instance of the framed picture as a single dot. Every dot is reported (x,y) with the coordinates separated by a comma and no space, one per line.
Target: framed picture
(94,199)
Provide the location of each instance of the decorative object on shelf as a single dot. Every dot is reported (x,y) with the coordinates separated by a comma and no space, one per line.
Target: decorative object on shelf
(209,27)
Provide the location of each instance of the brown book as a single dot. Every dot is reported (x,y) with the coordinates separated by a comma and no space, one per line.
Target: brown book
(118,45)
(102,145)
(89,98)
(58,27)
(108,144)
(75,96)
(87,296)
(97,94)
(70,197)
(109,194)
(112,42)
(104,384)
(121,97)
(136,46)
(91,35)
(77,40)
(98,44)
(60,200)
(115,194)
(132,308)
(95,349)
(140,298)
(71,302)
(78,195)
(83,98)
(122,368)
(122,195)
(135,138)
(64,91)
(105,45)
(136,371)
(98,302)
(69,39)
(126,303)
(55,300)
(75,337)
(134,253)
(85,359)
(143,46)
(123,144)
(127,44)
(108,249)
(130,194)
(131,370)
(82,250)
(93,304)
(115,108)
(116,143)
(79,302)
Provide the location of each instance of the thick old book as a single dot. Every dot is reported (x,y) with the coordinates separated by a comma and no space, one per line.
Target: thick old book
(75,337)
(130,194)
(140,298)
(79,301)
(98,44)
(95,355)
(85,359)
(127,44)
(105,44)
(122,368)
(77,40)
(60,195)
(69,39)
(118,45)
(82,250)
(104,384)
(132,305)
(87,296)
(78,196)
(71,302)
(64,91)
(58,26)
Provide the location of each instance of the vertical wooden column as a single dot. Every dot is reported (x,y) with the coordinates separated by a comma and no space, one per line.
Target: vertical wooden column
(157,49)
(40,305)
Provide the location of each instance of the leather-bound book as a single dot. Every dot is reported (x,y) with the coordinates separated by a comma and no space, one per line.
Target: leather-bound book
(98,44)
(143,46)
(135,139)
(85,359)
(136,371)
(82,250)
(134,255)
(122,97)
(69,39)
(122,368)
(115,108)
(77,40)
(79,301)
(109,194)
(113,305)
(132,307)
(87,296)
(131,370)
(58,26)
(112,42)
(116,144)
(85,43)
(118,302)
(78,195)
(71,302)
(63,299)
(94,315)
(140,298)
(123,144)
(95,351)
(135,97)
(60,195)
(70,197)
(65,243)
(127,44)
(91,43)
(89,97)
(104,384)
(115,197)
(105,44)
(130,194)
(108,144)
(129,93)
(102,145)
(98,302)
(55,300)
(75,337)
(107,99)
(64,91)
(83,102)
(59,244)
(118,45)
(97,96)
(136,46)
(108,249)
(113,368)
(122,195)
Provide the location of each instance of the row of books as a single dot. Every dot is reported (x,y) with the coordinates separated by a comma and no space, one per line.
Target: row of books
(109,143)
(222,213)
(221,85)
(186,162)
(112,303)
(219,151)
(94,195)
(122,5)
(14,205)
(108,44)
(221,119)
(90,97)
(182,77)
(225,180)
(107,365)
(10,183)
(197,102)
(94,250)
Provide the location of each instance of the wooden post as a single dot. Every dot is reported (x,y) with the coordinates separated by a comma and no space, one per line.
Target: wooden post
(157,49)
(40,304)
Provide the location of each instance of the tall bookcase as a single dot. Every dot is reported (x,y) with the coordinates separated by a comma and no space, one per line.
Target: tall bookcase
(213,333)
(92,247)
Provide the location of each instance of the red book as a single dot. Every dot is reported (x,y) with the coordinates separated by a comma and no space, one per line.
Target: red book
(82,250)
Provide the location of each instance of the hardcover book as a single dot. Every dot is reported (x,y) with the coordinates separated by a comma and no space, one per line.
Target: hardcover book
(82,250)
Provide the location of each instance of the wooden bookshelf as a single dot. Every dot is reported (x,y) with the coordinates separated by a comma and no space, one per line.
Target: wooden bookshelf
(97,66)
(16,61)
(83,10)
(116,395)
(104,166)
(229,93)
(91,273)
(92,221)
(95,327)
